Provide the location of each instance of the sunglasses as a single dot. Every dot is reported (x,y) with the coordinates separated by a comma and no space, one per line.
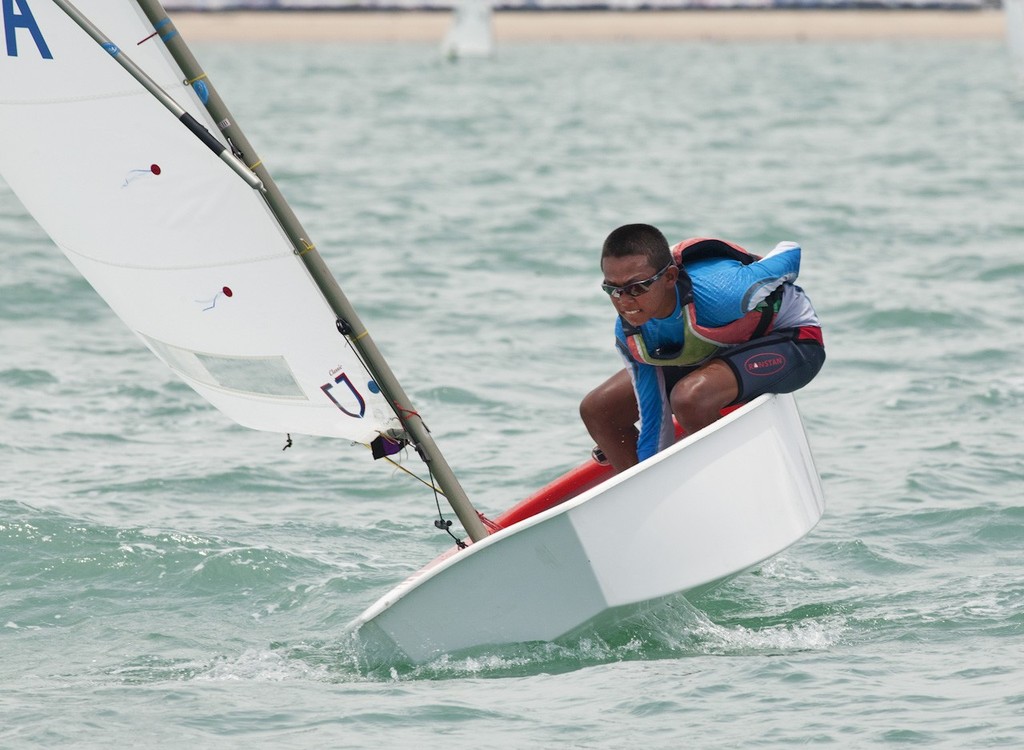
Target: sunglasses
(636,288)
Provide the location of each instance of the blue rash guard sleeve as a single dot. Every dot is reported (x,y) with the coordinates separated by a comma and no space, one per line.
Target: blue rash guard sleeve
(726,290)
(656,428)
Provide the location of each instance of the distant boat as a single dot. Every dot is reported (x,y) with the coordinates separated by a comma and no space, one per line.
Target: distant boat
(470,34)
(1014,13)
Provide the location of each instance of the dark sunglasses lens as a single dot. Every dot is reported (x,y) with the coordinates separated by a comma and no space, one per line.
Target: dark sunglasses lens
(635,289)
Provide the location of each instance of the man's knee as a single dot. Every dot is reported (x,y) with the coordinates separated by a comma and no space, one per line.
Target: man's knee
(697,399)
(591,406)
(612,400)
(689,394)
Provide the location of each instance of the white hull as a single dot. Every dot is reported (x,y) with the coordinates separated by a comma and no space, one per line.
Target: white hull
(713,505)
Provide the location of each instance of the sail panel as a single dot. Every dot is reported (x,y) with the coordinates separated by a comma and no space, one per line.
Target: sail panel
(188,256)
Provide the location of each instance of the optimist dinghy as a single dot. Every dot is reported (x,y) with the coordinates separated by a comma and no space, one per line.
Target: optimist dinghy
(713,505)
(162,204)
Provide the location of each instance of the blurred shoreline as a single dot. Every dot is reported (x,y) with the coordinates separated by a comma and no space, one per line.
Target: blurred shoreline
(595,25)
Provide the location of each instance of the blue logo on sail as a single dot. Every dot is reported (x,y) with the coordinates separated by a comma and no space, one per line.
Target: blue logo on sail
(22,19)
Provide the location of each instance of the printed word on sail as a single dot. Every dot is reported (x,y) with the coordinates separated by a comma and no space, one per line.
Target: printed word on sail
(20,25)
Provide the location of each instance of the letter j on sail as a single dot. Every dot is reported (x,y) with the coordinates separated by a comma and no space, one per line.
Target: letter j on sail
(22,19)
(343,379)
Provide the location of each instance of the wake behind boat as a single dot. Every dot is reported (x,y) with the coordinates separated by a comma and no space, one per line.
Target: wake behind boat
(160,201)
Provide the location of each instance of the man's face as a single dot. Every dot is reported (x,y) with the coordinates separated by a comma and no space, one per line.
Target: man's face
(659,299)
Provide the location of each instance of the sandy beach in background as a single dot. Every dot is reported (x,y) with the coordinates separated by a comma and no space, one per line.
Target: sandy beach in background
(526,26)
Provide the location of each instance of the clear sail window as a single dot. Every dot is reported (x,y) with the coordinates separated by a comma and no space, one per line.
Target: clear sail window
(263,376)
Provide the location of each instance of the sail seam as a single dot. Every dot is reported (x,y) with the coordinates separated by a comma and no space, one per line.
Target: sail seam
(220,264)
(94,97)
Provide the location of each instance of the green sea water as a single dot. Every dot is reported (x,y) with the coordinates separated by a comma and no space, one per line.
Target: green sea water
(168,579)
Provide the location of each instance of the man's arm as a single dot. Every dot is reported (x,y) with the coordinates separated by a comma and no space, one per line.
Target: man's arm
(656,429)
(779,266)
(726,290)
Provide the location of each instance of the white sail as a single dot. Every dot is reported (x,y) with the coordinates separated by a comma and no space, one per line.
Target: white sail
(470,32)
(184,251)
(1014,13)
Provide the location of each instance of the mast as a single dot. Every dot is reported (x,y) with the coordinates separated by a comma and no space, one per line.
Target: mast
(257,176)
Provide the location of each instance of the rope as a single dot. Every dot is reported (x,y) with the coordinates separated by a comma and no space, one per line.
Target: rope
(413,474)
(441,523)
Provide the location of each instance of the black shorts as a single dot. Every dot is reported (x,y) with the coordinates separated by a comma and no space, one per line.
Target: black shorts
(780,362)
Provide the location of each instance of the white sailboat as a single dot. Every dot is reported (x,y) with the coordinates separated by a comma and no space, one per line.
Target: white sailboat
(1013,11)
(470,33)
(711,506)
(162,204)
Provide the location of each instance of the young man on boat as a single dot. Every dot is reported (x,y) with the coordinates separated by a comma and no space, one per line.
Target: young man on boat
(701,326)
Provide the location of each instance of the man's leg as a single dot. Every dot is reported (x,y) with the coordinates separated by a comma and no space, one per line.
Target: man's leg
(780,362)
(610,414)
(698,399)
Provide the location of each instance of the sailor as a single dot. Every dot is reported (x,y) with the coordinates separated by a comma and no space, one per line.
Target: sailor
(701,326)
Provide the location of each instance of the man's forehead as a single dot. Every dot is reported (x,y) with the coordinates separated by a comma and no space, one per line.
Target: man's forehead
(627,265)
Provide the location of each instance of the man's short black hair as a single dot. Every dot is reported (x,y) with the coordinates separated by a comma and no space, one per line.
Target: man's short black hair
(638,239)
